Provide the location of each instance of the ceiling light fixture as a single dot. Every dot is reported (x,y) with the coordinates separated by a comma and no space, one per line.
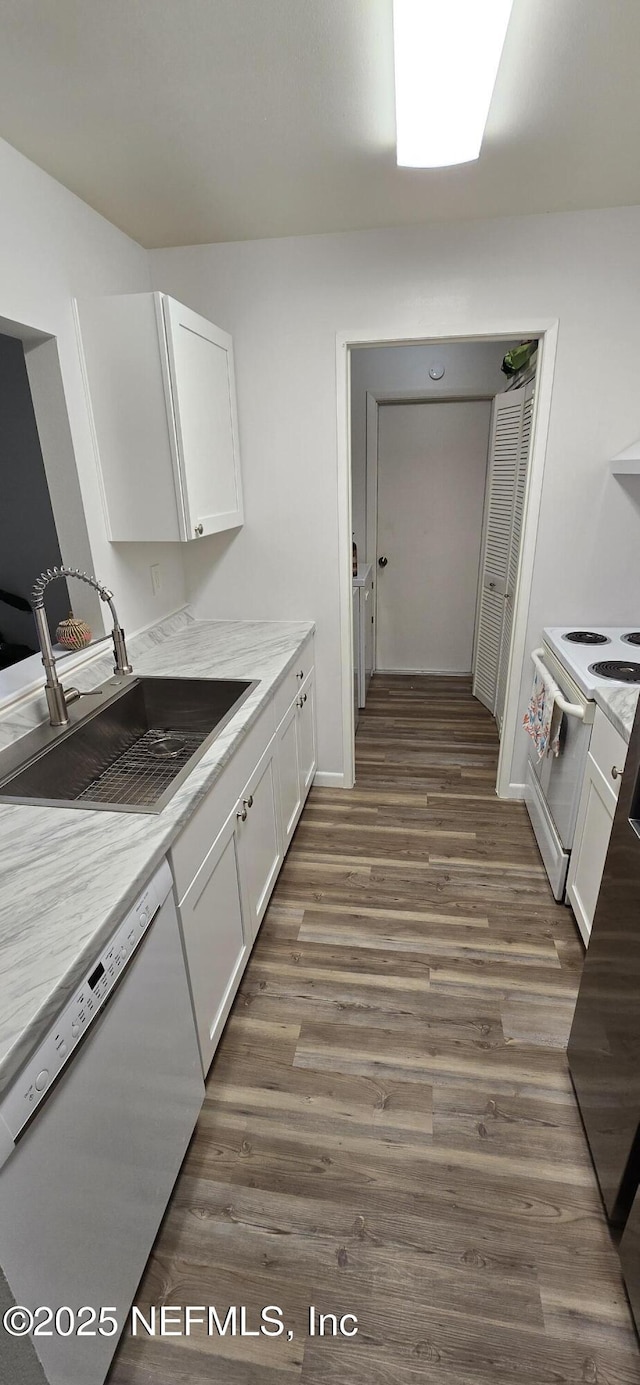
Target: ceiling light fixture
(447,54)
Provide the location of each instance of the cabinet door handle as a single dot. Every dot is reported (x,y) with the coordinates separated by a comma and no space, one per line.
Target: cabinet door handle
(199,530)
(615,772)
(242,817)
(300,674)
(249,801)
(304,697)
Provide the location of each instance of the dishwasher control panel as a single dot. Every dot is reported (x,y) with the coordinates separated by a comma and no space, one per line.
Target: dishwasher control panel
(46,1064)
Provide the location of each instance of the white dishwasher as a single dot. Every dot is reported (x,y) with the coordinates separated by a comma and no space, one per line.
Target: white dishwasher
(92,1135)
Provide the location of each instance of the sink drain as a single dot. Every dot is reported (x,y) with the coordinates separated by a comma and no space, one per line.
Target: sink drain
(166,746)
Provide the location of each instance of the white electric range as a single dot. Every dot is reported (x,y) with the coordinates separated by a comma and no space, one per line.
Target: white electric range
(573,661)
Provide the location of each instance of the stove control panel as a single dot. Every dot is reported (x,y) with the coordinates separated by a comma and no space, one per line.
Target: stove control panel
(46,1064)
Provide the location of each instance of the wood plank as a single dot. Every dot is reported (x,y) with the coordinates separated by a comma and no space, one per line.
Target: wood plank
(389,1127)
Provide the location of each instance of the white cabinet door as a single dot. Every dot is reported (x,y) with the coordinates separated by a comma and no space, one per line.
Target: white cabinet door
(214,938)
(289,773)
(307,734)
(367,635)
(355,611)
(204,403)
(363,621)
(161,396)
(260,851)
(593,829)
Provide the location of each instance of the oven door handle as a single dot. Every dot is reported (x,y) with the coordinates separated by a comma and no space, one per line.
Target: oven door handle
(572,709)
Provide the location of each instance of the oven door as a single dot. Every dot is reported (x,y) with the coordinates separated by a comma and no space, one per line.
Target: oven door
(554,783)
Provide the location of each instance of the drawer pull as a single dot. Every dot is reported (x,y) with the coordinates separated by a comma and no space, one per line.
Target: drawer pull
(242,817)
(615,772)
(300,674)
(249,801)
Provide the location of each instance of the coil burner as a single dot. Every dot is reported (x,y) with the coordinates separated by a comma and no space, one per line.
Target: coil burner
(616,669)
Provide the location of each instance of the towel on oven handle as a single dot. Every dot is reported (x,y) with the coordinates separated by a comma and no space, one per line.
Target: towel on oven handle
(542,718)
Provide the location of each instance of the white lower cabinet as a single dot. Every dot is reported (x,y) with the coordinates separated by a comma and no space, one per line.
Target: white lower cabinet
(600,788)
(356,654)
(214,937)
(259,849)
(225,874)
(366,638)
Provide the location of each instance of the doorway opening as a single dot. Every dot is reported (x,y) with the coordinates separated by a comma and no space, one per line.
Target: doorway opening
(441,471)
(43,520)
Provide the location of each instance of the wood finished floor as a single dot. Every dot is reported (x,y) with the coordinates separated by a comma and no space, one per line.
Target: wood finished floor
(389,1128)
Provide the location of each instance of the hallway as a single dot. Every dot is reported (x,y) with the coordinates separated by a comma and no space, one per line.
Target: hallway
(390,1128)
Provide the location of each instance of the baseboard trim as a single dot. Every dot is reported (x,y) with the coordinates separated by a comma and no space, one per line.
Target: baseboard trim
(327,779)
(514,791)
(428,672)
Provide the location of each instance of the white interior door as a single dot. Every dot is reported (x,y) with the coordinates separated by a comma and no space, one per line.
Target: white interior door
(432,460)
(513,561)
(502,477)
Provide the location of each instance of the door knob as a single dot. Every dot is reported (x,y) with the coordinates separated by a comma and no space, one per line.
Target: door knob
(382,562)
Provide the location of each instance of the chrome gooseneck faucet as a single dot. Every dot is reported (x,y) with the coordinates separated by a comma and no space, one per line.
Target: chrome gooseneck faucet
(57,699)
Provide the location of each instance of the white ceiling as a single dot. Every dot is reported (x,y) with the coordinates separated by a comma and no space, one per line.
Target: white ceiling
(187,121)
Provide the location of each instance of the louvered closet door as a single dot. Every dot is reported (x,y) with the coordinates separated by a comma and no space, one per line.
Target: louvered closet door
(514,551)
(502,473)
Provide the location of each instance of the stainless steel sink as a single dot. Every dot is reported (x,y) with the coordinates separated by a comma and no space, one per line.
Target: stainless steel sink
(131,753)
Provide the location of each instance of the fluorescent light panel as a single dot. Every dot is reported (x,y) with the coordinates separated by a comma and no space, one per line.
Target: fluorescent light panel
(447,54)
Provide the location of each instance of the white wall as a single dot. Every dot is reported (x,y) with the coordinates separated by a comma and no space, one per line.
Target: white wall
(432,466)
(52,248)
(285,300)
(471,368)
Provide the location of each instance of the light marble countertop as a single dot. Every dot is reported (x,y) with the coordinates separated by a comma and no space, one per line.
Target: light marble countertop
(619,705)
(68,876)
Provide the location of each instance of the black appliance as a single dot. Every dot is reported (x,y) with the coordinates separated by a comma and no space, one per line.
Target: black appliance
(604,1045)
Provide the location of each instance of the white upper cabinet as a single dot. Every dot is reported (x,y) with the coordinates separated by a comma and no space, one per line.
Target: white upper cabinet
(161,391)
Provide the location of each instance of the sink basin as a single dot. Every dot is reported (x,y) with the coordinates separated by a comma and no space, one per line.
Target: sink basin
(131,753)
